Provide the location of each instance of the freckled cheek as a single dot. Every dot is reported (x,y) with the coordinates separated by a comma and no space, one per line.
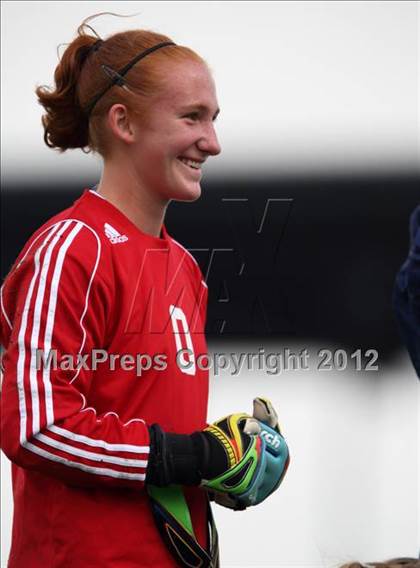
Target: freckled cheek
(181,140)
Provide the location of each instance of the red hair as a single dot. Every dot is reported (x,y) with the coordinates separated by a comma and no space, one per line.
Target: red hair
(79,77)
(394,563)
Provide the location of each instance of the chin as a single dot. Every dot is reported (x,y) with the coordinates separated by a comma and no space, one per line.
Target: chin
(187,194)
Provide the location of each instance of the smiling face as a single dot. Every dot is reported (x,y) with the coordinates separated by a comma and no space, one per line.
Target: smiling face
(177,133)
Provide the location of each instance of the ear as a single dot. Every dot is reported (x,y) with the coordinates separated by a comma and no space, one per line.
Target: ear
(120,123)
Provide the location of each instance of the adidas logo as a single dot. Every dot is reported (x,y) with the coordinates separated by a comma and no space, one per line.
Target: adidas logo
(113,235)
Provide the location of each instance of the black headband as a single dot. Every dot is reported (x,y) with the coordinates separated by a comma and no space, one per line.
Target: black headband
(117,76)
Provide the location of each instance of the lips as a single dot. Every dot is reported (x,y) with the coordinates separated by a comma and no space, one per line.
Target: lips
(190,172)
(191,163)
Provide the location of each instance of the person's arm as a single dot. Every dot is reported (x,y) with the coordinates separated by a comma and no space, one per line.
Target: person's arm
(406,295)
(55,299)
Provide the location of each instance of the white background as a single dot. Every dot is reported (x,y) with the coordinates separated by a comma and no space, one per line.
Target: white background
(303,87)
(352,489)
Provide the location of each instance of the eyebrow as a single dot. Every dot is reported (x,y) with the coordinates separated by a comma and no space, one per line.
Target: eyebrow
(200,108)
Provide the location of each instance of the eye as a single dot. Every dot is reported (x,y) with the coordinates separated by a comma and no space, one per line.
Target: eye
(192,116)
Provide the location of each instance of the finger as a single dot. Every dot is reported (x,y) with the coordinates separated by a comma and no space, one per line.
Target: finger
(264,411)
(252,426)
(227,501)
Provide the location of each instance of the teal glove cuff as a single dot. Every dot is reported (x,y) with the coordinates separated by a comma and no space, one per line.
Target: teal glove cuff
(275,460)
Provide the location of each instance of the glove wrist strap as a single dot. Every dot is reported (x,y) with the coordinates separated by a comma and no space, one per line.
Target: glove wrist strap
(212,460)
(172,459)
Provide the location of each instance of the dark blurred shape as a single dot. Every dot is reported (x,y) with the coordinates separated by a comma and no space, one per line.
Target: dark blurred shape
(404,562)
(407,294)
(302,260)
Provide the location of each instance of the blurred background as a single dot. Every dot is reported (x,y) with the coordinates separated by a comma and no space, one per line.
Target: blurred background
(301,228)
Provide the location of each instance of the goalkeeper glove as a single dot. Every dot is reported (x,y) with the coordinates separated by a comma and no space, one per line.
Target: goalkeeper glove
(223,457)
(275,459)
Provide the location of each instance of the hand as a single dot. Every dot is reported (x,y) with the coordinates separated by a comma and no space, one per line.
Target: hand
(232,456)
(240,456)
(222,456)
(275,458)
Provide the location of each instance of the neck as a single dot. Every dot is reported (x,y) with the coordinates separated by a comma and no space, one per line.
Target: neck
(145,210)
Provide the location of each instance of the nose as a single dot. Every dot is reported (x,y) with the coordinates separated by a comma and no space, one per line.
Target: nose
(209,143)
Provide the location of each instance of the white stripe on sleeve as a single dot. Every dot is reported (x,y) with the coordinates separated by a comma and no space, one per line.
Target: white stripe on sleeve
(54,236)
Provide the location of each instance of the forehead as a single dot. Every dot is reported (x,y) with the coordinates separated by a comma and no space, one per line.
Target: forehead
(188,83)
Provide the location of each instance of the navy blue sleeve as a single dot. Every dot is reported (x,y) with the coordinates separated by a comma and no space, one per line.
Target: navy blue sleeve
(406,298)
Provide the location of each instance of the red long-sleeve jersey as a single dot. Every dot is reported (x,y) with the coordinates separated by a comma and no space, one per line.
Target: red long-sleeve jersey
(101,326)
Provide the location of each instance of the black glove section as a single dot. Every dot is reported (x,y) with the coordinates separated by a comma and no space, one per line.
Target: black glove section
(183,459)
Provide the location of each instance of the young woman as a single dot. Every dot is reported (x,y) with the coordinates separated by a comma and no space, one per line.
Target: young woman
(103,313)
